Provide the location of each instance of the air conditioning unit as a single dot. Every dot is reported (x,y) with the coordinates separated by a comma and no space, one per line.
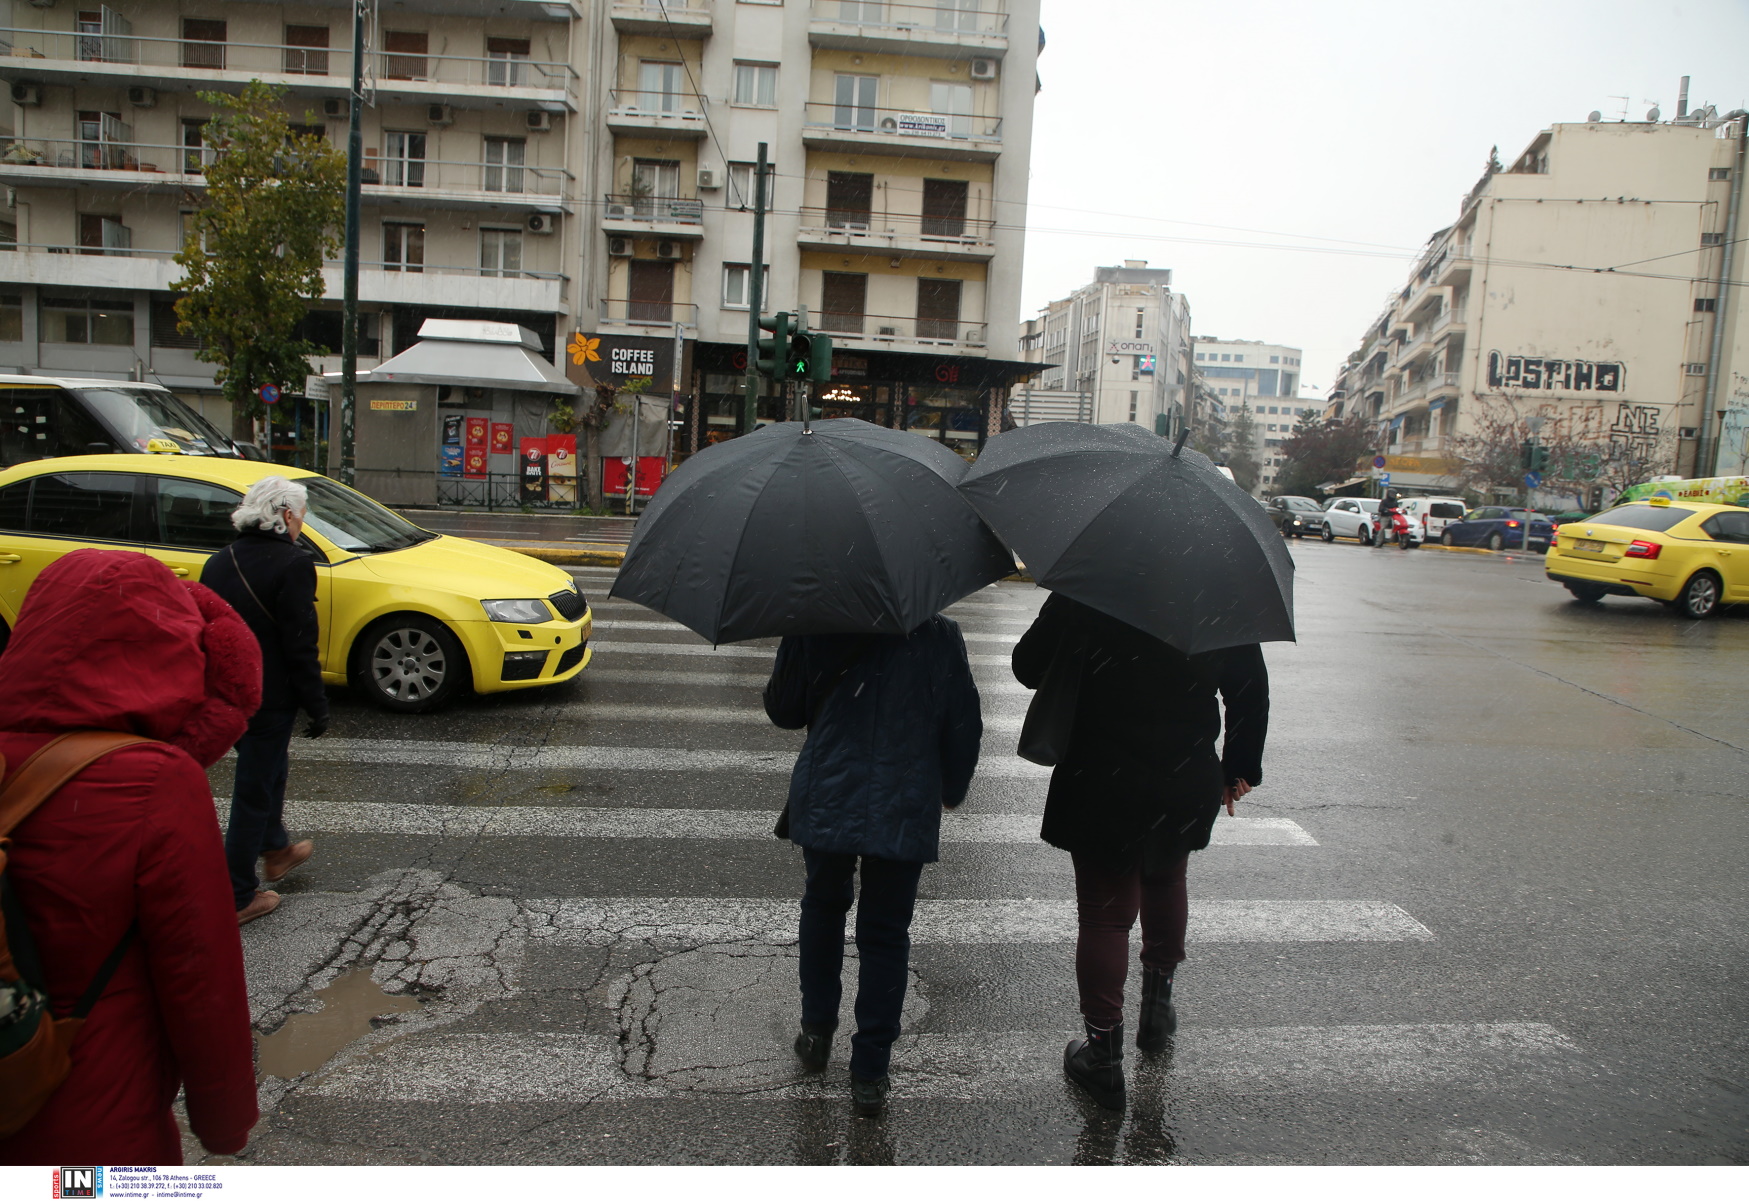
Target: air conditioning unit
(983,68)
(854,227)
(542,223)
(707,179)
(1687,432)
(439,114)
(667,250)
(142,97)
(334,107)
(28,95)
(539,121)
(620,248)
(619,212)
(887,331)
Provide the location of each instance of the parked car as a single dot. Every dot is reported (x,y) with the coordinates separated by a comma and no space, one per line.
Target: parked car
(1429,515)
(409,618)
(1499,528)
(43,417)
(1350,517)
(1296,516)
(1693,557)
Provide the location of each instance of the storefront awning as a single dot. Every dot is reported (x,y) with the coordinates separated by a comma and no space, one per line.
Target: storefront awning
(472,354)
(1435,404)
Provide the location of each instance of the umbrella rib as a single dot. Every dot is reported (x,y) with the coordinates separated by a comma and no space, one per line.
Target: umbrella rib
(741,541)
(832,457)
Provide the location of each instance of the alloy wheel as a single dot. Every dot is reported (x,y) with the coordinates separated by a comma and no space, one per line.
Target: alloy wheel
(408,665)
(1701,597)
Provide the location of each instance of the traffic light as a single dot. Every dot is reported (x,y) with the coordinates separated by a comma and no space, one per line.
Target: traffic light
(819,367)
(773,351)
(1524,451)
(798,362)
(1539,458)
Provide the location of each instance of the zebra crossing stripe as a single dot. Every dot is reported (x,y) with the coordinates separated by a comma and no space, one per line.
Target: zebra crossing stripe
(676,627)
(767,653)
(749,713)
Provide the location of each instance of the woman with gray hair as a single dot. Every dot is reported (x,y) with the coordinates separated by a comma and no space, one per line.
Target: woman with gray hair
(271,581)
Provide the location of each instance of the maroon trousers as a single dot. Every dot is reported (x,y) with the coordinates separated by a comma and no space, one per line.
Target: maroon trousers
(1107,900)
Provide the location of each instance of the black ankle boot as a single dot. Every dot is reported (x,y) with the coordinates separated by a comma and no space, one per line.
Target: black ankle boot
(814,1046)
(1096,1064)
(1158,1019)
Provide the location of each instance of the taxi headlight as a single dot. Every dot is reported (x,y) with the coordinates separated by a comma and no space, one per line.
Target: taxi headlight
(522,612)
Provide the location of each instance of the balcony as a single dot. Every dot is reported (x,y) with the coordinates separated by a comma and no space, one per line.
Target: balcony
(435,183)
(853,129)
(664,313)
(905,235)
(874,332)
(1449,325)
(653,216)
(663,18)
(64,58)
(1455,270)
(1443,384)
(935,31)
(656,114)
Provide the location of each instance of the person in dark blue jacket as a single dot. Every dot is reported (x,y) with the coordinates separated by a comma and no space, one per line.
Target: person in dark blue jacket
(893,737)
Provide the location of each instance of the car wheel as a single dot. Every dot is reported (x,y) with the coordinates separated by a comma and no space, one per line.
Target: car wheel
(1366,535)
(409,663)
(1329,535)
(1700,597)
(1446,539)
(1586,594)
(1496,541)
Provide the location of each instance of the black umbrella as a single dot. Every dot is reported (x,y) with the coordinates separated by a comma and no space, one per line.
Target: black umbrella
(1127,523)
(842,528)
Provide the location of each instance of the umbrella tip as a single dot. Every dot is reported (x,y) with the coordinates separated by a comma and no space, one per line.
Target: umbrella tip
(1179,445)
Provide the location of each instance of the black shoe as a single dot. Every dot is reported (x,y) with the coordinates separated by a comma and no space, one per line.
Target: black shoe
(1158,1019)
(1096,1064)
(814,1047)
(869,1097)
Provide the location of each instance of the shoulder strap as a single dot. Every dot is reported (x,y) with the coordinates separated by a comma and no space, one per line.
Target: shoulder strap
(54,763)
(232,551)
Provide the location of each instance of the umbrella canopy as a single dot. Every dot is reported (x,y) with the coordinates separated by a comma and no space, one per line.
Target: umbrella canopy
(1112,516)
(842,528)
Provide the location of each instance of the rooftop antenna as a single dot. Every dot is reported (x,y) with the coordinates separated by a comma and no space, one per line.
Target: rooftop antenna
(1624,107)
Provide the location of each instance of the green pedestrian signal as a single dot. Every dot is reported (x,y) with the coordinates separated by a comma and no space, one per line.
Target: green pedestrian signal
(773,351)
(800,358)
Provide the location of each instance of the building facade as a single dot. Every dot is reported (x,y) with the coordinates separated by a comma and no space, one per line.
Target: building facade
(1262,376)
(1590,283)
(1116,349)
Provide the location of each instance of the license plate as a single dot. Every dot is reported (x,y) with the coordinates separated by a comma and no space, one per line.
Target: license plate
(1586,544)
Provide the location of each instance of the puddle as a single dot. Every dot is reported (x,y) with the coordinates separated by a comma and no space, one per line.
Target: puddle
(308,1040)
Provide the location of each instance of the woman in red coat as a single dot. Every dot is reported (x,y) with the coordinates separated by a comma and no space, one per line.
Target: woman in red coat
(110,640)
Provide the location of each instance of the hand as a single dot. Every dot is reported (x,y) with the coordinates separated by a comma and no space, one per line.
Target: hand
(1233,792)
(318,726)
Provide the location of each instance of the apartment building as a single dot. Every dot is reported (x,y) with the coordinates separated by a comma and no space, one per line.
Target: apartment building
(1119,346)
(900,138)
(1263,376)
(1589,281)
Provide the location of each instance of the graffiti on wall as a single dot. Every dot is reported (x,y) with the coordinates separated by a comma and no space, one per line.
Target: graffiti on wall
(1734,430)
(1636,430)
(1566,375)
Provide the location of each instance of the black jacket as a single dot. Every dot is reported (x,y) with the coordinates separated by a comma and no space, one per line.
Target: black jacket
(282,577)
(889,742)
(1142,778)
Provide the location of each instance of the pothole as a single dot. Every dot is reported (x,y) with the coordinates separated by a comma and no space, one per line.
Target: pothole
(308,1040)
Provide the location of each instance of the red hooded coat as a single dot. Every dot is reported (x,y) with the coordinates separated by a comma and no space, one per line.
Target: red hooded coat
(110,640)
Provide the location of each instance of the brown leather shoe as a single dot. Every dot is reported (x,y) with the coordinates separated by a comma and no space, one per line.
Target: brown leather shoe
(275,865)
(263,904)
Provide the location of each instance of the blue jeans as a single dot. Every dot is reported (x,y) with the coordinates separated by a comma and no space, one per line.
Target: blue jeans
(258,798)
(883,944)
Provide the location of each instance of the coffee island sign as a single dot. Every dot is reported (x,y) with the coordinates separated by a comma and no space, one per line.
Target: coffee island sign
(618,359)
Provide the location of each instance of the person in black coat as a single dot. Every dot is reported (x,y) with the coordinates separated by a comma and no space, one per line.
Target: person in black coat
(1136,790)
(893,738)
(271,581)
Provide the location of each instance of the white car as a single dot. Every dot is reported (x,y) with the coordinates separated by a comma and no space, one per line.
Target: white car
(1349,517)
(1429,515)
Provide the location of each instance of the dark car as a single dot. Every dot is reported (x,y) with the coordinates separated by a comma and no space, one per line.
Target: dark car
(1296,516)
(1499,528)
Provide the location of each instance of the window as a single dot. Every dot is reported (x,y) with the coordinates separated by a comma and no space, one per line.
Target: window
(404,54)
(1706,304)
(11,319)
(195,155)
(500,251)
(1712,239)
(306,49)
(83,506)
(103,36)
(954,101)
(162,317)
(843,301)
(504,161)
(404,159)
(1199,356)
(203,44)
(741,190)
(849,200)
(861,11)
(1238,358)
(1133,399)
(651,291)
(1139,317)
(14,501)
(99,234)
(1718,173)
(403,246)
(104,141)
(1728,527)
(735,280)
(659,86)
(190,513)
(655,182)
(756,84)
(45,423)
(1226,358)
(957,14)
(95,320)
(854,101)
(938,309)
(944,208)
(506,62)
(1275,358)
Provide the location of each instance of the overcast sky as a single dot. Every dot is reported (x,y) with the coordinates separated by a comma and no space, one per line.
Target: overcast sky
(1169,127)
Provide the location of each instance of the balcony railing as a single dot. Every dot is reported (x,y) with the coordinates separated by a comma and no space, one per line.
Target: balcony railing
(986,17)
(277,58)
(631,102)
(856,224)
(902,123)
(648,312)
(872,327)
(667,210)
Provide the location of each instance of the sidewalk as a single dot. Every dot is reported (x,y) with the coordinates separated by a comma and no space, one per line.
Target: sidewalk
(558,538)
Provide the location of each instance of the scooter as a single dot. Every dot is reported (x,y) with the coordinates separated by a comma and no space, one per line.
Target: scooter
(1399,530)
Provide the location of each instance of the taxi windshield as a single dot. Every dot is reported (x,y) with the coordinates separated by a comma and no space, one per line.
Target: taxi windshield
(141,414)
(355,523)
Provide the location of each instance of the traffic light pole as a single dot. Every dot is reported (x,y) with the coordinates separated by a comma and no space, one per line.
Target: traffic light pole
(349,267)
(755,297)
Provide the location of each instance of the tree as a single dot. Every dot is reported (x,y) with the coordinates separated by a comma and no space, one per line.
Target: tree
(254,252)
(1242,449)
(1582,456)
(1320,451)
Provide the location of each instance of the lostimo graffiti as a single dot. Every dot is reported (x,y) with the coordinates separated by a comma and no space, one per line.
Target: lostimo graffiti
(1567,375)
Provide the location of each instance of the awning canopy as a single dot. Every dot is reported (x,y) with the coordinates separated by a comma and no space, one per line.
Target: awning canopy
(472,354)
(1435,404)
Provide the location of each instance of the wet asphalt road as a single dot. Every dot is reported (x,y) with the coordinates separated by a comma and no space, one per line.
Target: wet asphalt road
(1487,907)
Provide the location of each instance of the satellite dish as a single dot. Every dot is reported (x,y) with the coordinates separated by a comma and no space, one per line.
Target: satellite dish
(1594,117)
(1653,116)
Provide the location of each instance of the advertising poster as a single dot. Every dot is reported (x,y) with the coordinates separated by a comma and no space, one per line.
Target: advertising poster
(503,438)
(474,462)
(450,460)
(534,470)
(477,432)
(562,468)
(452,429)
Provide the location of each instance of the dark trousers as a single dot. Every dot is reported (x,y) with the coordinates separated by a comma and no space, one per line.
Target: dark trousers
(258,798)
(1107,900)
(883,945)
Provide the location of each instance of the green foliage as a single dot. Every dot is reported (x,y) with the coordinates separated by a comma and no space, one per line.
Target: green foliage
(1319,452)
(1242,448)
(275,200)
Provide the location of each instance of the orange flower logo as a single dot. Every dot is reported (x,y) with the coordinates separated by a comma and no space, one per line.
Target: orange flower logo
(583,349)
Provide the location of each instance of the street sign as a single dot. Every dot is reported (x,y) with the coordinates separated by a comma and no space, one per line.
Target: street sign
(269,394)
(1384,477)
(1533,479)
(1378,461)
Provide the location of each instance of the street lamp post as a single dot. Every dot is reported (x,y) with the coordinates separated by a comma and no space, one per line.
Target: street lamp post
(349,263)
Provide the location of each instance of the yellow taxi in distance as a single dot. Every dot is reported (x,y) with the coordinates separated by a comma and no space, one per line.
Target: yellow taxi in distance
(1693,557)
(408,617)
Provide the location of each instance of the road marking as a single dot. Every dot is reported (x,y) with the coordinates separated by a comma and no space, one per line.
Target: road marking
(767,653)
(749,712)
(539,1066)
(699,921)
(676,627)
(989,682)
(556,821)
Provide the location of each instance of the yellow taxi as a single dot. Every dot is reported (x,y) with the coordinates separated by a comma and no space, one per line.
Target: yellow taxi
(408,617)
(1693,557)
